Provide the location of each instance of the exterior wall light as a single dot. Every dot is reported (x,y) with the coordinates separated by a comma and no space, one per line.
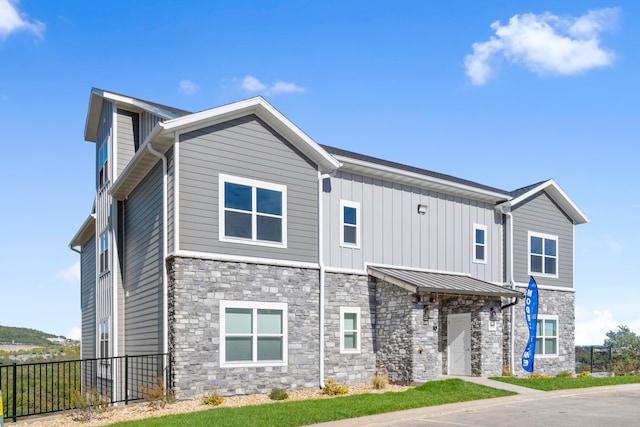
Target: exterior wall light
(422,209)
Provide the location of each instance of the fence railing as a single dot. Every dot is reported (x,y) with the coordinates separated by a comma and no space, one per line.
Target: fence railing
(46,387)
(593,358)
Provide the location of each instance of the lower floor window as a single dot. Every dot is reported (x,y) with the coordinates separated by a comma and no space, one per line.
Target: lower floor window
(104,338)
(253,333)
(547,336)
(349,329)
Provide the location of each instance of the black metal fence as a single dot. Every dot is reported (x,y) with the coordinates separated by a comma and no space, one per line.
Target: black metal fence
(46,387)
(593,358)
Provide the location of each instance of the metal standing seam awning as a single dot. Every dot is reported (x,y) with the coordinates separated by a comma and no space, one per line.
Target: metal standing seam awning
(444,283)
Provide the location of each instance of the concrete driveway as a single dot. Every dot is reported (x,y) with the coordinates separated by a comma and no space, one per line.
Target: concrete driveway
(613,406)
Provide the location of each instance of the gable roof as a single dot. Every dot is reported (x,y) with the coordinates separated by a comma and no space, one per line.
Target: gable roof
(557,195)
(162,138)
(97,98)
(410,175)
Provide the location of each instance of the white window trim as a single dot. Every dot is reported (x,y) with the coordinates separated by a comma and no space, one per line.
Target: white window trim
(222,179)
(343,311)
(356,206)
(474,243)
(253,305)
(549,317)
(531,234)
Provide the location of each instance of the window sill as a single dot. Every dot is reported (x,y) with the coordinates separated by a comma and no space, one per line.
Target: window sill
(254,242)
(227,365)
(549,276)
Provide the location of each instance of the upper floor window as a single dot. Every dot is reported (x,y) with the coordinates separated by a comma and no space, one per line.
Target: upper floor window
(104,252)
(543,254)
(349,224)
(253,211)
(350,329)
(547,336)
(480,243)
(103,163)
(253,333)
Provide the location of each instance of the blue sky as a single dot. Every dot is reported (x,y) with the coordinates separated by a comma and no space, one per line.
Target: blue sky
(500,92)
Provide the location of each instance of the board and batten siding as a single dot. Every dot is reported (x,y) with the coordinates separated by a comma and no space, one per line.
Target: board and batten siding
(246,148)
(147,122)
(171,179)
(394,233)
(128,131)
(143,266)
(540,214)
(88,298)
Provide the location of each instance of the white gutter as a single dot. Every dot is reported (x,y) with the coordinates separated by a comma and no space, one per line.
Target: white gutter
(165,294)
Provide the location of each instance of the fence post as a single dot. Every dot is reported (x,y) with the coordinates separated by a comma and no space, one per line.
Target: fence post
(126,379)
(592,359)
(14,404)
(1,411)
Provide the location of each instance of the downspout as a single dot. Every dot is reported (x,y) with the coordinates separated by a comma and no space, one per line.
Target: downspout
(506,210)
(165,295)
(322,273)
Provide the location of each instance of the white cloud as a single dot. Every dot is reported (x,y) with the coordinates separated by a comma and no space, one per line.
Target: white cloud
(592,325)
(253,85)
(75,334)
(188,87)
(12,20)
(545,44)
(70,274)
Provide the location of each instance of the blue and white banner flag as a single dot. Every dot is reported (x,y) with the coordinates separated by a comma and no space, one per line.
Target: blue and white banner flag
(531,315)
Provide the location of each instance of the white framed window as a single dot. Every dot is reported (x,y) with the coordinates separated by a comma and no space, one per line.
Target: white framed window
(104,252)
(253,334)
(543,254)
(547,335)
(480,243)
(103,163)
(253,212)
(349,224)
(350,335)
(103,338)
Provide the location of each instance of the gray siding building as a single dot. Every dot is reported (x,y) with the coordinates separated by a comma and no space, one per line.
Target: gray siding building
(257,258)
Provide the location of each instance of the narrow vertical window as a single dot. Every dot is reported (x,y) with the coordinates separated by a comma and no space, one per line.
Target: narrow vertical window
(104,252)
(479,243)
(349,224)
(543,254)
(103,163)
(104,338)
(350,330)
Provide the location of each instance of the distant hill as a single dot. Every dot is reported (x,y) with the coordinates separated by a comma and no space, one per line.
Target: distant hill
(11,335)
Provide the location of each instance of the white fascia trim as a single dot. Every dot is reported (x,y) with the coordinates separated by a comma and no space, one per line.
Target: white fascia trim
(247,259)
(136,103)
(87,226)
(546,287)
(558,195)
(265,111)
(346,161)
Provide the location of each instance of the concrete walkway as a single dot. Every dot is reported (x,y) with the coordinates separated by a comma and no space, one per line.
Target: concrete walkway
(494,384)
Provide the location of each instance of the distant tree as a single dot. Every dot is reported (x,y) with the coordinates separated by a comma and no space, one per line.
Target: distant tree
(625,346)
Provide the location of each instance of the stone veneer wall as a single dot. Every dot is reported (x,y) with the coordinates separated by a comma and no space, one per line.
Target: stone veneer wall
(349,290)
(196,287)
(550,302)
(486,336)
(407,345)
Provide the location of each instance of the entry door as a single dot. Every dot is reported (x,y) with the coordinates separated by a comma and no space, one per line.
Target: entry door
(459,339)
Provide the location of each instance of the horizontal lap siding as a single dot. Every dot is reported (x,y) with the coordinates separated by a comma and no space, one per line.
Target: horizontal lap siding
(143,266)
(394,233)
(246,148)
(540,214)
(126,129)
(88,298)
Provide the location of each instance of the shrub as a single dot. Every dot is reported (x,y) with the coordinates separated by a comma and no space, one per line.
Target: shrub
(278,394)
(564,374)
(213,399)
(88,404)
(157,394)
(536,375)
(332,388)
(584,374)
(506,372)
(379,382)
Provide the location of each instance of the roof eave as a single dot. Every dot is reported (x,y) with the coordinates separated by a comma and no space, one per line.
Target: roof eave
(87,229)
(418,180)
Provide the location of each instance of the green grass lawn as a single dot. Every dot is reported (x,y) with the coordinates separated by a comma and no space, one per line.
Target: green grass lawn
(285,414)
(557,383)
